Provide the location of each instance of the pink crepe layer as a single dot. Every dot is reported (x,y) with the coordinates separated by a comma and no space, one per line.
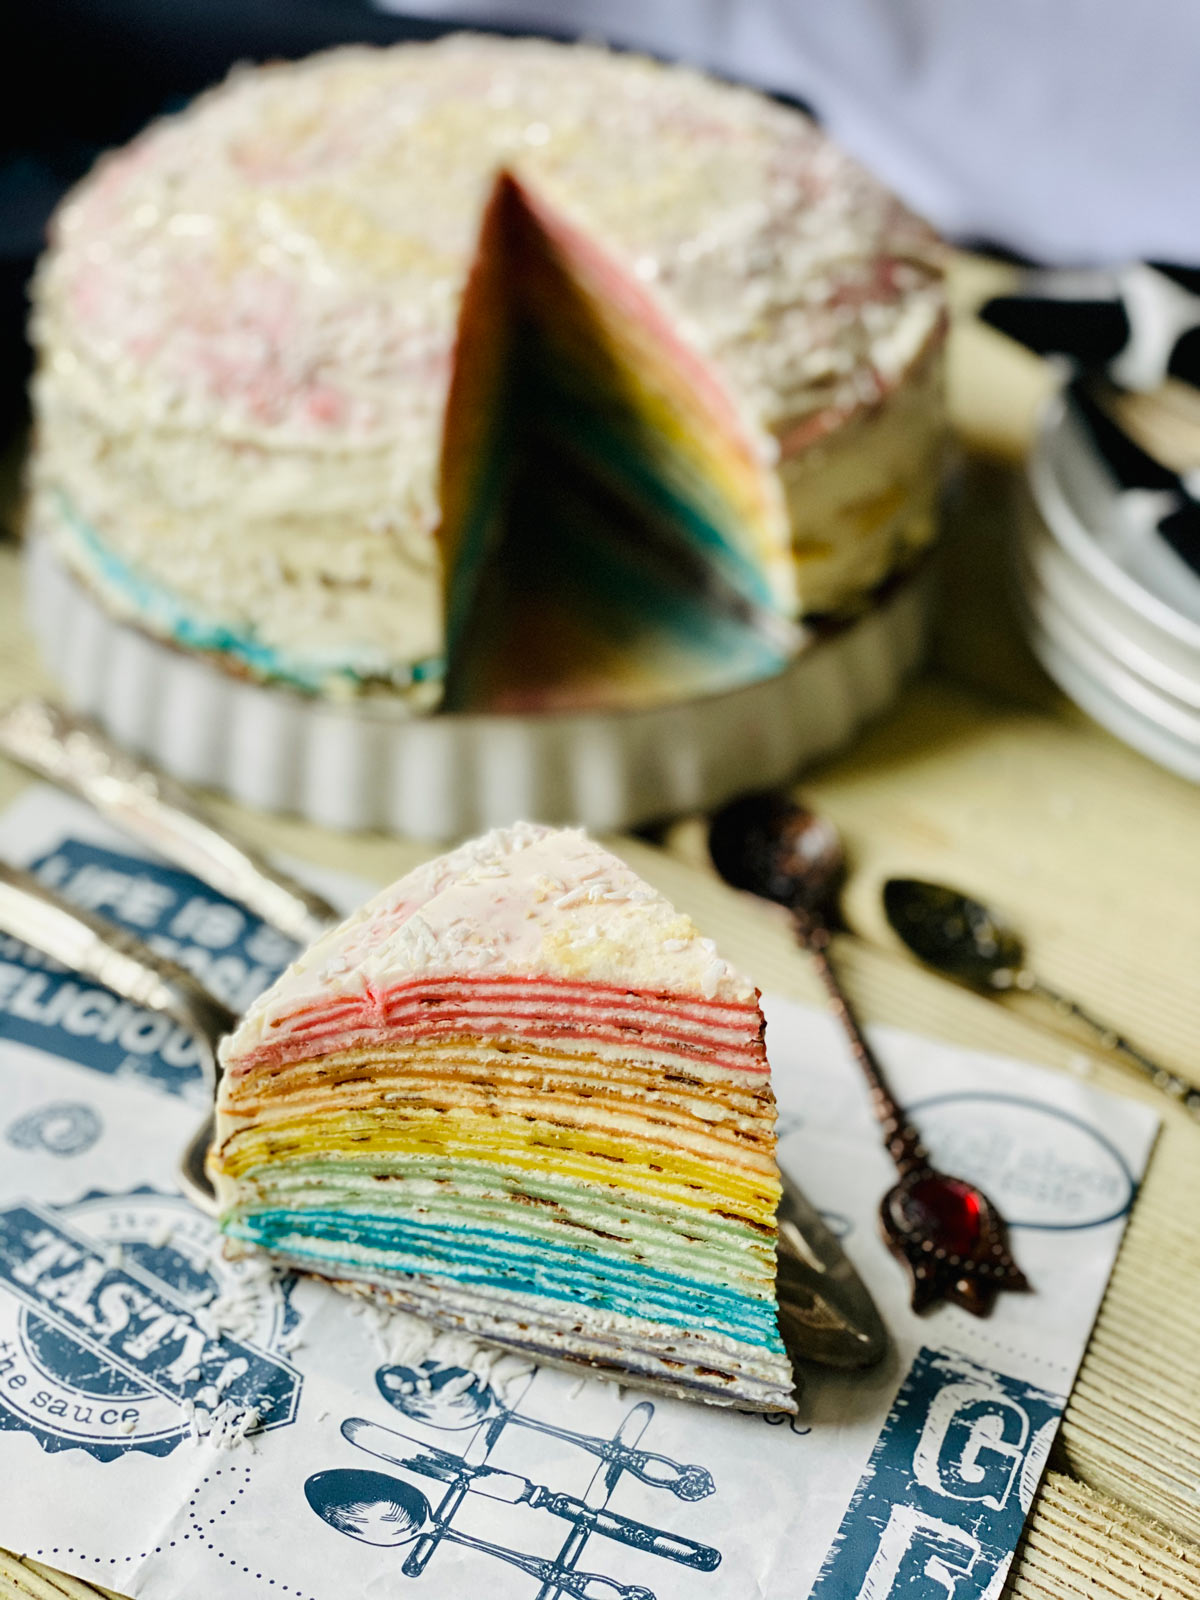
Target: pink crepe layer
(625,299)
(712,1031)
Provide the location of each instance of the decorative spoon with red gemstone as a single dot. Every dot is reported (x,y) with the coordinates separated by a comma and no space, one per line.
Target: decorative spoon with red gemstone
(946,1231)
(967,940)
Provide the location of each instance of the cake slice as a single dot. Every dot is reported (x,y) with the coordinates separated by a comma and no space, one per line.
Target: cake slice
(519,1095)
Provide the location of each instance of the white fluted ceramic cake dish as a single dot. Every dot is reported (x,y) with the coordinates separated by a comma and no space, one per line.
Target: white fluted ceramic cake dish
(361,766)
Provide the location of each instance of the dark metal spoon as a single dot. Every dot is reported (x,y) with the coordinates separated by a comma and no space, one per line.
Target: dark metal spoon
(946,1231)
(966,940)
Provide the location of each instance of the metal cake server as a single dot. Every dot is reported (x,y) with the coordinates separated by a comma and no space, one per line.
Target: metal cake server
(966,940)
(98,949)
(948,1234)
(118,960)
(826,1313)
(152,808)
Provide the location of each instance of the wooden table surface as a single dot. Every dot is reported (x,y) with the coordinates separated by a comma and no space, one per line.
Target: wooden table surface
(982,775)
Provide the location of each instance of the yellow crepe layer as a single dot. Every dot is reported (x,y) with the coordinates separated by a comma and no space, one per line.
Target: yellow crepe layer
(684,1083)
(721,1136)
(511,1141)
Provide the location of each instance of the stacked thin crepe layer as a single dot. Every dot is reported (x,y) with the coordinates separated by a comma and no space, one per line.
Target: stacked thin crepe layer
(518,1094)
(617,534)
(248,326)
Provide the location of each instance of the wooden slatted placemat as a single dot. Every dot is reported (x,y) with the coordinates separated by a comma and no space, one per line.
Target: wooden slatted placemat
(982,775)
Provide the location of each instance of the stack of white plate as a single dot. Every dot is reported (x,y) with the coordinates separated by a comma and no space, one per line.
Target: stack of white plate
(1112,612)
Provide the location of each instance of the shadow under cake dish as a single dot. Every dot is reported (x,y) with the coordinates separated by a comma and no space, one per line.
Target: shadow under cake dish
(520,1096)
(491,373)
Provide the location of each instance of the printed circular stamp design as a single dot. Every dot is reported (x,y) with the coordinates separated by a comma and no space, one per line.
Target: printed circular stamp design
(120,1320)
(60,1128)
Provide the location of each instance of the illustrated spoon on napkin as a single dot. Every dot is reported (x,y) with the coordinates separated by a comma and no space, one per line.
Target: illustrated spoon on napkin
(496,1484)
(380,1509)
(456,1401)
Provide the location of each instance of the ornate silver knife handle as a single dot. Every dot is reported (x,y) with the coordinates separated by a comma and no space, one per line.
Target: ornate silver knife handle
(76,756)
(118,960)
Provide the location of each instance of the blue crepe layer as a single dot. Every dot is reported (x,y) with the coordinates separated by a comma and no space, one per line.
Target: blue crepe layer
(486,1258)
(165,613)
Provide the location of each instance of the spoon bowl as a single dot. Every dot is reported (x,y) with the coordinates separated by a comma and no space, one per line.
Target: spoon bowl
(378,1509)
(950,931)
(372,1507)
(967,940)
(779,850)
(445,1397)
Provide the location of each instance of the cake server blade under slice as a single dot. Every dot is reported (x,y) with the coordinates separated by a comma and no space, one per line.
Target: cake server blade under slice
(826,1313)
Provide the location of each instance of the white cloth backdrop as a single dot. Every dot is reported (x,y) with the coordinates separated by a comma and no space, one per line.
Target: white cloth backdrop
(1065,129)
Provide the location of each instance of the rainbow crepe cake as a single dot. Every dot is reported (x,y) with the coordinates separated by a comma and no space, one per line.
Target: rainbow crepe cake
(489,373)
(517,1094)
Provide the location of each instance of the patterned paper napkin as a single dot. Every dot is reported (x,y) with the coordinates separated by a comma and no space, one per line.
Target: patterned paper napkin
(173,1424)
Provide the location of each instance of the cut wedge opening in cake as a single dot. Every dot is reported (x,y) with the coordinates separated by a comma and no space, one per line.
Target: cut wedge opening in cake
(607,529)
(519,1095)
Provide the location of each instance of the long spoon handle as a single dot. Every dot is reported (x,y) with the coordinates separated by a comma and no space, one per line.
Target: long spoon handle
(902,1140)
(159,812)
(1170,1083)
